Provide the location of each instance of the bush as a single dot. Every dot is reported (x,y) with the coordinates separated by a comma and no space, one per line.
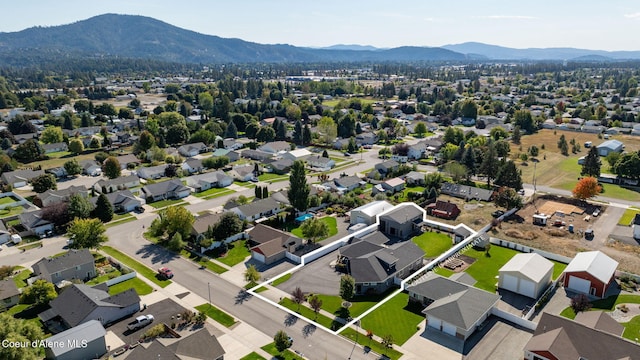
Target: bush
(154,332)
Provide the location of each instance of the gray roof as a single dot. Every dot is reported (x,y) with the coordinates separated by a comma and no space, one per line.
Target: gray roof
(117,181)
(69,260)
(403,213)
(243,170)
(33,219)
(456,303)
(282,164)
(12,177)
(256,154)
(152,170)
(276,145)
(200,345)
(174,185)
(611,144)
(62,195)
(89,331)
(8,289)
(121,198)
(377,237)
(347,181)
(193,163)
(465,191)
(566,339)
(258,207)
(77,301)
(201,223)
(210,177)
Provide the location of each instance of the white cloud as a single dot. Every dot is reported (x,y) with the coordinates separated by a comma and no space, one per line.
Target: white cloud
(508,17)
(635,15)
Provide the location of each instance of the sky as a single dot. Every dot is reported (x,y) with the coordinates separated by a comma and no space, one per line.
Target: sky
(588,24)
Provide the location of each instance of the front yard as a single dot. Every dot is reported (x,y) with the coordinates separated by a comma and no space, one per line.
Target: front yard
(236,253)
(214,192)
(135,265)
(433,244)
(217,314)
(394,318)
(141,287)
(164,203)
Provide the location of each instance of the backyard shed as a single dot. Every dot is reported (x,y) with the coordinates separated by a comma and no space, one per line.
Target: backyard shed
(526,274)
(590,272)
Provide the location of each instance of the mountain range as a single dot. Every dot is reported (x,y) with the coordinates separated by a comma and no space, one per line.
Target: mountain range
(147,38)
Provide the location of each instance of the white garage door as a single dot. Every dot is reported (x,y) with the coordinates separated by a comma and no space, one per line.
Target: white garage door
(578,284)
(361,220)
(448,329)
(527,288)
(257,256)
(435,323)
(510,282)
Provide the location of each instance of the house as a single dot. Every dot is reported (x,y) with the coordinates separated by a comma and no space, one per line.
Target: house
(526,274)
(123,201)
(192,165)
(256,155)
(297,154)
(91,168)
(171,189)
(366,138)
(258,209)
(51,197)
(119,183)
(443,209)
(393,185)
(190,150)
(127,161)
(636,227)
(19,178)
(367,213)
(59,172)
(202,223)
(33,222)
(452,307)
(151,172)
(591,273)
(9,294)
(387,167)
(610,146)
(341,144)
(201,344)
(320,163)
(206,181)
(559,338)
(281,166)
(5,235)
(417,151)
(80,303)
(242,173)
(75,264)
(275,147)
(348,183)
(230,154)
(232,144)
(85,341)
(414,178)
(269,245)
(402,221)
(375,267)
(55,147)
(466,192)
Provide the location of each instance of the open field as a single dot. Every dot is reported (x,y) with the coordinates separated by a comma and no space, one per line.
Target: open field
(557,170)
(475,214)
(334,102)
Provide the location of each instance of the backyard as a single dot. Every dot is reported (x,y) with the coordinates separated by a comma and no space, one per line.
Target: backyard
(627,218)
(138,267)
(141,287)
(237,251)
(433,244)
(331,222)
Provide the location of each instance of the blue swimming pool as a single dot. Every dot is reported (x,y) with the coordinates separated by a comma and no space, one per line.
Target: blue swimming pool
(304,217)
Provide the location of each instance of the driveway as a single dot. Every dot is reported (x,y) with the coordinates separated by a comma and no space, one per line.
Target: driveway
(498,340)
(605,225)
(317,277)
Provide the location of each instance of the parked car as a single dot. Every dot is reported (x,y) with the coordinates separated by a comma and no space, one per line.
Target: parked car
(497,213)
(347,154)
(596,212)
(165,273)
(588,234)
(140,322)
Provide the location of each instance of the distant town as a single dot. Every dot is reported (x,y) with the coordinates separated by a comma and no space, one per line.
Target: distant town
(321,211)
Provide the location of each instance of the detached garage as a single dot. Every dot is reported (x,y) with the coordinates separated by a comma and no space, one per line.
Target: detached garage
(591,273)
(526,274)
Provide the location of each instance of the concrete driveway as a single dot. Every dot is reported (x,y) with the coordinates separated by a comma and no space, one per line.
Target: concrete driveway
(317,277)
(498,340)
(162,312)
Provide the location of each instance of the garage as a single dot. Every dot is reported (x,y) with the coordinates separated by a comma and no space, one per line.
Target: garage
(435,323)
(360,220)
(448,329)
(257,256)
(510,283)
(579,285)
(527,288)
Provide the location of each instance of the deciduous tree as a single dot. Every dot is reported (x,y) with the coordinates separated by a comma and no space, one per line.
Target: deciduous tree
(176,219)
(281,340)
(44,182)
(316,304)
(297,296)
(111,167)
(39,293)
(76,146)
(347,287)
(86,233)
(19,330)
(72,167)
(251,275)
(587,188)
(51,135)
(314,229)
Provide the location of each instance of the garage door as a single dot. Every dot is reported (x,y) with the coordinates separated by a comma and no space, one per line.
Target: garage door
(257,256)
(527,288)
(578,284)
(361,220)
(448,329)
(435,323)
(510,282)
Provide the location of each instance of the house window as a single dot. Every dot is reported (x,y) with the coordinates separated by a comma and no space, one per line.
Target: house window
(365,284)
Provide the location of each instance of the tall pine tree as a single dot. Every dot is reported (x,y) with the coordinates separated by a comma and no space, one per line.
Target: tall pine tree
(298,187)
(103,209)
(592,164)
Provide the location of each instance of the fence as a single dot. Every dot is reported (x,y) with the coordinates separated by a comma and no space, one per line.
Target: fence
(20,200)
(528,249)
(230,239)
(316,254)
(527,324)
(130,274)
(542,300)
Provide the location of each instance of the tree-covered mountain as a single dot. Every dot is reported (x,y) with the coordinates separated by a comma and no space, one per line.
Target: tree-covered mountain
(504,53)
(143,37)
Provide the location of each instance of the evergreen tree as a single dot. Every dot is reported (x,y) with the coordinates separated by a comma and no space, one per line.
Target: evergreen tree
(265,192)
(232,131)
(298,187)
(469,160)
(509,175)
(306,135)
(490,163)
(592,164)
(281,131)
(104,209)
(297,133)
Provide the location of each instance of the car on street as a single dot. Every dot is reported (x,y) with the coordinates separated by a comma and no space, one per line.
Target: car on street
(165,273)
(347,154)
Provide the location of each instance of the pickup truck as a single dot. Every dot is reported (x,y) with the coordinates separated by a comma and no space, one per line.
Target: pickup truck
(139,322)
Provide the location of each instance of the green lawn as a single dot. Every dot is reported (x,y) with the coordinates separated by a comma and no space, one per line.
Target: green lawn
(102,278)
(135,265)
(632,328)
(329,220)
(252,356)
(359,304)
(141,287)
(394,318)
(272,177)
(419,189)
(203,261)
(558,268)
(485,268)
(11,211)
(121,221)
(214,192)
(18,308)
(21,278)
(217,314)
(607,304)
(12,223)
(372,344)
(236,253)
(286,355)
(165,203)
(117,217)
(608,190)
(443,272)
(281,279)
(628,216)
(310,314)
(7,200)
(433,244)
(30,246)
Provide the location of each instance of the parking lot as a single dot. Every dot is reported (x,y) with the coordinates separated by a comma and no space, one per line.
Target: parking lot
(162,312)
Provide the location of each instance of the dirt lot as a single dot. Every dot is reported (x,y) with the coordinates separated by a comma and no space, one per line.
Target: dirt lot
(559,240)
(475,214)
(147,101)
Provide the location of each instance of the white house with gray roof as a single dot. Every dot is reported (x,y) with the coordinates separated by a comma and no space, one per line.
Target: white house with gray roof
(33,222)
(366,214)
(151,172)
(85,341)
(74,265)
(119,183)
(258,209)
(171,189)
(206,181)
(19,178)
(122,201)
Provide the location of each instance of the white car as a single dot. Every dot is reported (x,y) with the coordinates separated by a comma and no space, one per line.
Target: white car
(596,212)
(140,321)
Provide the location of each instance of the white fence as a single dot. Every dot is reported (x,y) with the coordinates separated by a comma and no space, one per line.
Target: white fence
(230,239)
(514,319)
(121,278)
(20,200)
(295,258)
(528,249)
